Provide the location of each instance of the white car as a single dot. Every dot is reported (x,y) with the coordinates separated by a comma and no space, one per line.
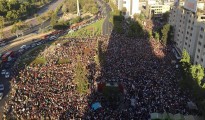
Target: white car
(7,75)
(3,72)
(23,46)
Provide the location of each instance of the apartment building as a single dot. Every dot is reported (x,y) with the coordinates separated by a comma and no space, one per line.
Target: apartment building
(159,9)
(189,33)
(199,57)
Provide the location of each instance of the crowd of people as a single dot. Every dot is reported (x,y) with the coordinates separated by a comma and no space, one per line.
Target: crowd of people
(48,90)
(145,69)
(142,66)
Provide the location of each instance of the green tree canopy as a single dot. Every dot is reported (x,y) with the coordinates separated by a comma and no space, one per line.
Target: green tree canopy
(185,57)
(165,33)
(197,72)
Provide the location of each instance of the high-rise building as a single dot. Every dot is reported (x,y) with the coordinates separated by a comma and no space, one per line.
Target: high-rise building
(189,32)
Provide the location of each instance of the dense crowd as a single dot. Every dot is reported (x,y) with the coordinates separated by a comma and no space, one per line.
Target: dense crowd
(142,66)
(48,90)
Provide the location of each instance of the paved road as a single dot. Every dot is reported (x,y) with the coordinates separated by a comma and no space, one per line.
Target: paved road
(107,25)
(34,21)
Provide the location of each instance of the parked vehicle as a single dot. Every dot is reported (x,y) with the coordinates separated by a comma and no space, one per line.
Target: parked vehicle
(3,72)
(23,46)
(6,56)
(7,75)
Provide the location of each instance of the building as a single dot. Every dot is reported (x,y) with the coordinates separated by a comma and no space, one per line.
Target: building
(159,9)
(199,57)
(189,33)
(132,7)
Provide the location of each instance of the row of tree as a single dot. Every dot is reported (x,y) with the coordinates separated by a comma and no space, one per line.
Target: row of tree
(196,72)
(192,79)
(13,10)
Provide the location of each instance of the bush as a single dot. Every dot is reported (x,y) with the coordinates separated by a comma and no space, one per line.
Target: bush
(63,61)
(39,60)
(156,36)
(76,20)
(60,27)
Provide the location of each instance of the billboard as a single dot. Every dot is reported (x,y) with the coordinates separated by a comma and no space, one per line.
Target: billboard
(191,5)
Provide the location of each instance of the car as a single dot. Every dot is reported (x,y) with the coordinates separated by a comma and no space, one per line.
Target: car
(20,50)
(38,43)
(7,75)
(27,47)
(3,72)
(33,45)
(1,87)
(2,44)
(23,46)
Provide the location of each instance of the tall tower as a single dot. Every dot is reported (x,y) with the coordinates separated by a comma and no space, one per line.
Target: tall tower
(78,8)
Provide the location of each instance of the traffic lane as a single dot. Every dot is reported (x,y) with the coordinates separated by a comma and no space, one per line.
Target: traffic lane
(7,86)
(51,6)
(27,32)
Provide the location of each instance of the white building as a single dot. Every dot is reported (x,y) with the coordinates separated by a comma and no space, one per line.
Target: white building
(159,9)
(199,57)
(189,33)
(152,2)
(132,7)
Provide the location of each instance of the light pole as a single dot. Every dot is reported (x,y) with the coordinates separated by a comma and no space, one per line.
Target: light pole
(78,8)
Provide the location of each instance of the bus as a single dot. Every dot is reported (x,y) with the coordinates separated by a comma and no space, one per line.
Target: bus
(6,56)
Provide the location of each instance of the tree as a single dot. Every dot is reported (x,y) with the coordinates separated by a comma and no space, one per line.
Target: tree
(124,10)
(18,28)
(53,19)
(135,16)
(165,16)
(165,33)
(94,10)
(1,27)
(64,8)
(185,57)
(156,36)
(76,20)
(197,73)
(185,61)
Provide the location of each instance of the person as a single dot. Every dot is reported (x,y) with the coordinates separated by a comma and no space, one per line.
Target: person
(139,64)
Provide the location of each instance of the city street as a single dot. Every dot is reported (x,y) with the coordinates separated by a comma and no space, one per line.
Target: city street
(107,26)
